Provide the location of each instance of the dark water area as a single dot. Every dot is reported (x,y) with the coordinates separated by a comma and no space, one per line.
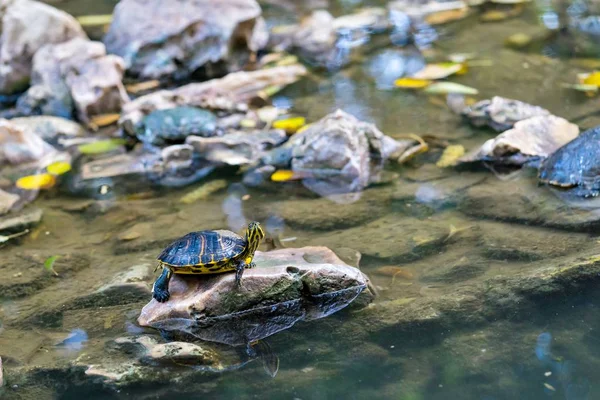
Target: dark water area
(495,293)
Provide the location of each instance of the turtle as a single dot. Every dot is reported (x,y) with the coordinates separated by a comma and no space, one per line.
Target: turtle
(173,125)
(207,252)
(575,166)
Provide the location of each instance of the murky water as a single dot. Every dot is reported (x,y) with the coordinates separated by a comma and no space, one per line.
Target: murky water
(497,293)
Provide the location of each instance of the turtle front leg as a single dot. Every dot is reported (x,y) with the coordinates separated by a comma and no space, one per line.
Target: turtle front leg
(239,271)
(160,290)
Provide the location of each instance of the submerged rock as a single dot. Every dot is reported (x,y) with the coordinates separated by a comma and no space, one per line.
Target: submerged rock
(76,74)
(500,113)
(575,165)
(158,39)
(232,93)
(175,124)
(530,140)
(287,286)
(26,27)
(237,148)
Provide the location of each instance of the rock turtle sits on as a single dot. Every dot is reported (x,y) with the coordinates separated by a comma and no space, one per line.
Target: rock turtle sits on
(207,252)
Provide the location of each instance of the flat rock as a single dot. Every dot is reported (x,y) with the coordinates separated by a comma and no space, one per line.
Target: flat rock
(534,138)
(500,113)
(26,27)
(18,222)
(25,274)
(158,39)
(522,201)
(287,286)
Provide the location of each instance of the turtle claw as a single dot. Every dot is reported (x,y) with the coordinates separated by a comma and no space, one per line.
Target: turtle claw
(161,295)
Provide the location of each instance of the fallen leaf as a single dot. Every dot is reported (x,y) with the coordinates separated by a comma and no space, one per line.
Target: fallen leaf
(58,168)
(461,57)
(438,71)
(450,88)
(501,15)
(204,191)
(446,16)
(101,120)
(290,125)
(101,146)
(302,129)
(49,264)
(95,20)
(142,86)
(518,41)
(549,387)
(450,156)
(36,182)
(592,79)
(411,83)
(284,175)
(590,90)
(395,272)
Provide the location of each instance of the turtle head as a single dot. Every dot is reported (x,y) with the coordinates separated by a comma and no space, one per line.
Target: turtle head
(254,234)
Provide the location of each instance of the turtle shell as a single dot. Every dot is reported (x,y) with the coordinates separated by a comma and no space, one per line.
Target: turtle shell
(203,248)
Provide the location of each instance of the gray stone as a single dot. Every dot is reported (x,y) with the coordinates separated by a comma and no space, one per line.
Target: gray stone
(287,286)
(500,113)
(26,27)
(7,201)
(158,39)
(19,146)
(18,222)
(53,130)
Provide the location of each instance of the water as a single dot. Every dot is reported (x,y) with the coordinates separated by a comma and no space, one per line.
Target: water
(497,298)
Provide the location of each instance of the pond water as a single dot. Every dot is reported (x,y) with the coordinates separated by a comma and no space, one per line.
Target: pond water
(496,298)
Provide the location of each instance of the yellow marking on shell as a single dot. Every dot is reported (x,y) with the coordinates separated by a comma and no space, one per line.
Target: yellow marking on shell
(202,246)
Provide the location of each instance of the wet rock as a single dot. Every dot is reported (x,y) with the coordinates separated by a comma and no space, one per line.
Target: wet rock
(337,154)
(461,270)
(522,201)
(500,113)
(575,165)
(25,274)
(54,130)
(237,148)
(300,214)
(232,92)
(18,146)
(18,222)
(392,238)
(532,139)
(175,39)
(175,124)
(76,74)
(315,39)
(7,201)
(287,286)
(26,27)
(508,242)
(259,177)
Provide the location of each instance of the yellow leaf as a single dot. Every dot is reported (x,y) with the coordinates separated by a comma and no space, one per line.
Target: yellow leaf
(449,88)
(142,86)
(36,182)
(438,71)
(302,129)
(58,168)
(592,79)
(95,20)
(450,156)
(290,125)
(411,83)
(105,119)
(101,146)
(283,175)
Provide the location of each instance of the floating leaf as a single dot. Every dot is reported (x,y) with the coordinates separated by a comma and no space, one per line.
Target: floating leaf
(290,125)
(98,121)
(58,168)
(204,191)
(518,41)
(36,182)
(284,175)
(142,86)
(450,156)
(411,83)
(590,90)
(49,264)
(449,88)
(95,20)
(101,146)
(592,79)
(439,71)
(500,15)
(461,57)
